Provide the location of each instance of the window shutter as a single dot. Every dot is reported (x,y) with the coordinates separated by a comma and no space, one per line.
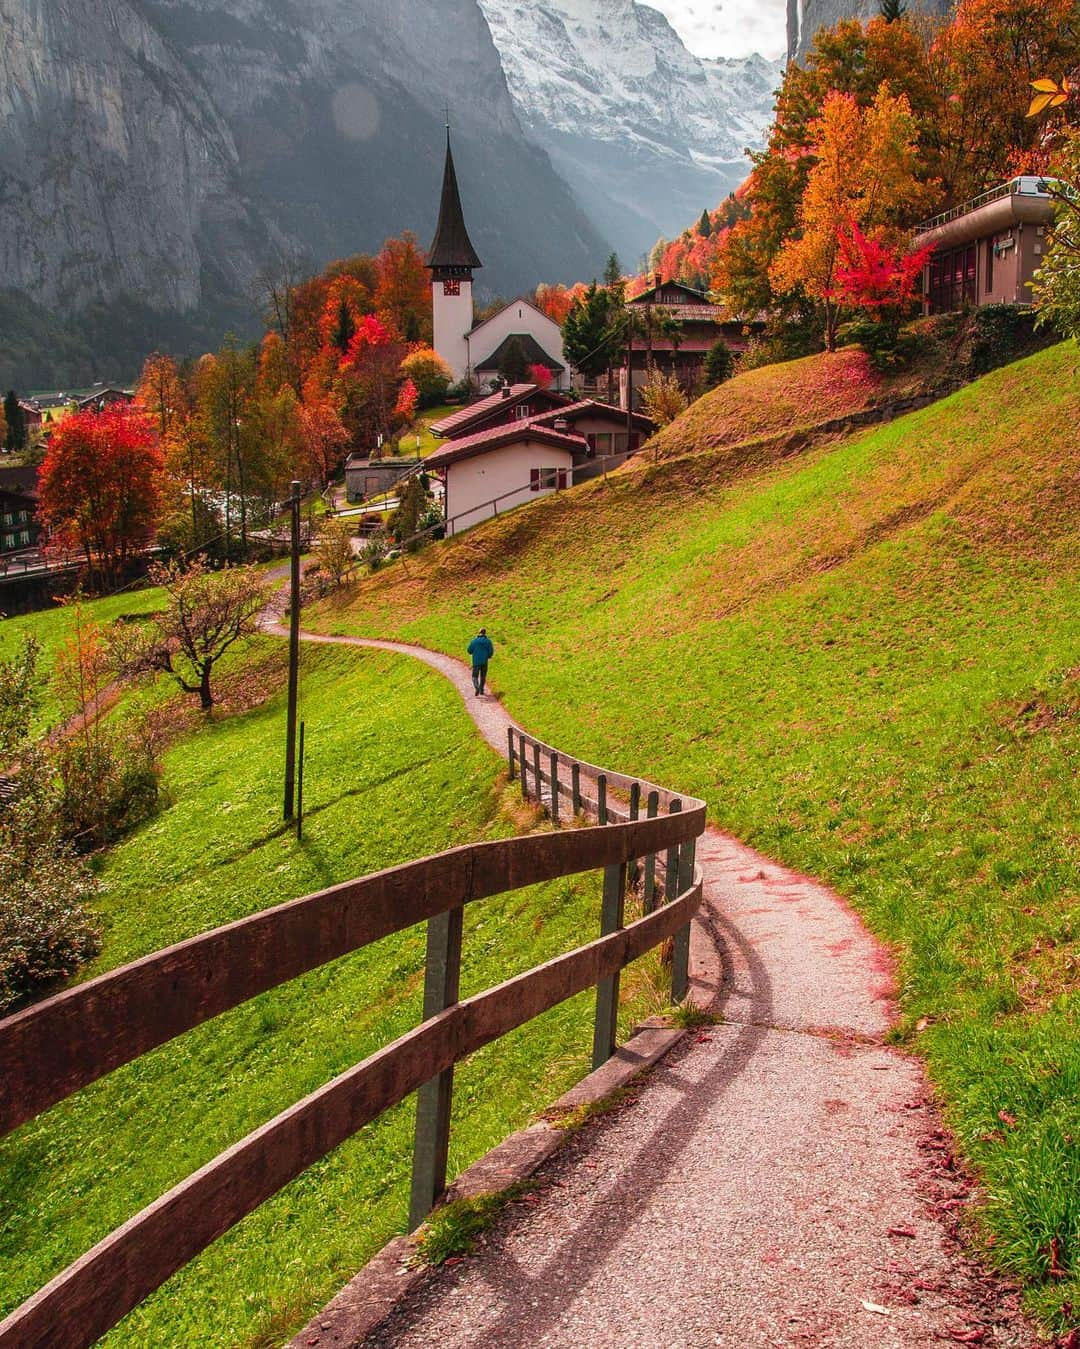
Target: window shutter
(534,480)
(560,481)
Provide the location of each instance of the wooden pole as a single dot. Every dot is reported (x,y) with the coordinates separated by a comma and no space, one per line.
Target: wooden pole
(294,652)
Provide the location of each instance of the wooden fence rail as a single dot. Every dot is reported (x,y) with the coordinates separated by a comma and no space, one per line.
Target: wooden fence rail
(54,1048)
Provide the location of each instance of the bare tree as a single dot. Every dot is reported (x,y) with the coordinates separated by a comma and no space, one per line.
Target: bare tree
(207,612)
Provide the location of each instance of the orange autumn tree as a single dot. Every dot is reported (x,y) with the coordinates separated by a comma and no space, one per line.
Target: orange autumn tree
(403,288)
(864,173)
(100,486)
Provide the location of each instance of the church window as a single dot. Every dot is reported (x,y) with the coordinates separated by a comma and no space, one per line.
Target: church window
(451,287)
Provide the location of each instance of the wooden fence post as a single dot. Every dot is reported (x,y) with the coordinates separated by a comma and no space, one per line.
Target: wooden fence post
(510,750)
(680,943)
(522,768)
(433,1100)
(601,797)
(648,903)
(635,800)
(554,767)
(671,860)
(575,788)
(605,1024)
(538,777)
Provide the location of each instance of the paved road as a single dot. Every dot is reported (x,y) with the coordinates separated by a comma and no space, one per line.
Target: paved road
(780,1180)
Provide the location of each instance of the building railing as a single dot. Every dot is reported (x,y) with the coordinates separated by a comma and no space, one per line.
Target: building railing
(1028,185)
(54,1048)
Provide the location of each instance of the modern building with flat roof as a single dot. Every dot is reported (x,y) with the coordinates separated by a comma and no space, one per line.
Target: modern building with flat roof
(988,250)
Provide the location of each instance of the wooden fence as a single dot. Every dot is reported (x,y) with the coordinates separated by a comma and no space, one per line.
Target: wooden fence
(54,1048)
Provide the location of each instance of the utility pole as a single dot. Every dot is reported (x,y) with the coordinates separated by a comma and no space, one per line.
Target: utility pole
(294,652)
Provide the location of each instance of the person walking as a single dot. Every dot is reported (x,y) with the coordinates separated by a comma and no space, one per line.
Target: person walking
(481,649)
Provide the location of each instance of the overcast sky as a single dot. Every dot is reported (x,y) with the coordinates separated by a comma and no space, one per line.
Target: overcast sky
(728,27)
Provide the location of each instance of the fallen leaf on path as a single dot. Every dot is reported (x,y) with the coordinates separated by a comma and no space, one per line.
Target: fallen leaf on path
(902,1232)
(1006,1118)
(876,1308)
(977,1335)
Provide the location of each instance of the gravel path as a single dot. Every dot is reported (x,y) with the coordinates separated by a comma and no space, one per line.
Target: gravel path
(779,1180)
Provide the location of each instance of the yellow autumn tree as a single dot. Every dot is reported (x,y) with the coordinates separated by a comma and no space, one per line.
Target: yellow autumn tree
(864,173)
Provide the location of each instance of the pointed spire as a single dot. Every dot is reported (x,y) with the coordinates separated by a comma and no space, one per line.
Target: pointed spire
(451,247)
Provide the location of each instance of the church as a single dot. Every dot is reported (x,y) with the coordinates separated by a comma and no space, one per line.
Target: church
(477,352)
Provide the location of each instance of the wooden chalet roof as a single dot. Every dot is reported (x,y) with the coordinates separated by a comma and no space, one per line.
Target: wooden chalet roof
(594,408)
(458,423)
(451,246)
(496,437)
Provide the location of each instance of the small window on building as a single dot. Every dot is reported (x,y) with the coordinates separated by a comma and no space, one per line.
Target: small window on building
(24,538)
(560,480)
(522,411)
(602,443)
(534,480)
(549,478)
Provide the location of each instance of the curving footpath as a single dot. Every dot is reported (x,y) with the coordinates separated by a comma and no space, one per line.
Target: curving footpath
(780,1179)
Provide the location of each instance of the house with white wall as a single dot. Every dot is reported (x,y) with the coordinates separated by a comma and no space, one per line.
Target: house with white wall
(489,471)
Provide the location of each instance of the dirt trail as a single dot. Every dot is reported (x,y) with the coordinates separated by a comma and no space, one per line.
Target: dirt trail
(779,1180)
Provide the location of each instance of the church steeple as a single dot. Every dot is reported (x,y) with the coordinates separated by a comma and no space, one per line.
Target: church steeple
(451,254)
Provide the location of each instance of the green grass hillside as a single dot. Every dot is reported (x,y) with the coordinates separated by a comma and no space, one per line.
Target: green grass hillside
(395,770)
(867,660)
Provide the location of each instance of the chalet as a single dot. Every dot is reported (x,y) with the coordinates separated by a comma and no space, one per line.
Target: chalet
(18,509)
(512,403)
(46,409)
(988,250)
(682,353)
(366,477)
(477,352)
(514,461)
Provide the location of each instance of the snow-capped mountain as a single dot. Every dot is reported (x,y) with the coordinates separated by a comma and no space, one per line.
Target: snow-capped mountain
(645,133)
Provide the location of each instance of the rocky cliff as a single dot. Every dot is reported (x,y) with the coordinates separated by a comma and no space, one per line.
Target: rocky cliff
(805,17)
(644,132)
(155,155)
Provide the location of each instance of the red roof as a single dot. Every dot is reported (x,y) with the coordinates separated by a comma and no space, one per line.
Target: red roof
(495,437)
(473,412)
(596,408)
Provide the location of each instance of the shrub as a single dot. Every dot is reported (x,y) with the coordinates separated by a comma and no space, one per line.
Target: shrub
(46,932)
(430,373)
(888,346)
(719,364)
(1000,333)
(107,785)
(663,398)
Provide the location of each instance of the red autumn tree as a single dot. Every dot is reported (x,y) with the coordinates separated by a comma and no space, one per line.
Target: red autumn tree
(100,485)
(540,375)
(870,275)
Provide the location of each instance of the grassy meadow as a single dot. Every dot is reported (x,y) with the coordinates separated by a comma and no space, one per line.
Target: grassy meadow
(394,770)
(867,660)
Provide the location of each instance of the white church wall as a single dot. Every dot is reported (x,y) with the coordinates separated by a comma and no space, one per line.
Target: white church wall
(452,317)
(519,317)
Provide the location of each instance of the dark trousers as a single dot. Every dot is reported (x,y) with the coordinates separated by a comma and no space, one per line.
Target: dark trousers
(479,676)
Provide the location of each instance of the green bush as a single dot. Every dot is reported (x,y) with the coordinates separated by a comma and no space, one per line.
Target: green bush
(1000,333)
(888,346)
(45,931)
(107,785)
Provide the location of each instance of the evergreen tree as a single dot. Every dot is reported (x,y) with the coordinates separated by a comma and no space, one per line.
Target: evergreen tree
(719,364)
(15,418)
(594,330)
(344,327)
(514,363)
(892,11)
(612,271)
(704,225)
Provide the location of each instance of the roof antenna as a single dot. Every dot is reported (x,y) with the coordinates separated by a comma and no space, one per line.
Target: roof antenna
(447,110)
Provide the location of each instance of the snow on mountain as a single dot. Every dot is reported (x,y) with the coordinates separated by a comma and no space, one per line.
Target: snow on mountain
(645,132)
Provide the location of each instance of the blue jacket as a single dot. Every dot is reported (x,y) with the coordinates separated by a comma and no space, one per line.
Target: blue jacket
(481,649)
